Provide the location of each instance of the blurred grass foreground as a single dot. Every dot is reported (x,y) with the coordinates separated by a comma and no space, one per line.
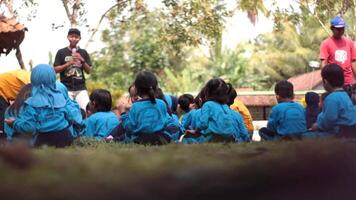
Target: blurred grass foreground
(312,169)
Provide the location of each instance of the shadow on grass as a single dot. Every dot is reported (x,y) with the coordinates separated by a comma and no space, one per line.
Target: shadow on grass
(311,169)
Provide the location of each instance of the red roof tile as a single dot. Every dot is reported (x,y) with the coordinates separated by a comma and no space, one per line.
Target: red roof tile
(307,81)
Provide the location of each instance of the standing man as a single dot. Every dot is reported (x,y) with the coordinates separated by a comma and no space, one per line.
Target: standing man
(10,84)
(71,62)
(339,50)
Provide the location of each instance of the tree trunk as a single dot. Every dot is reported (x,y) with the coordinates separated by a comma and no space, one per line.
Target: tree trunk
(19,58)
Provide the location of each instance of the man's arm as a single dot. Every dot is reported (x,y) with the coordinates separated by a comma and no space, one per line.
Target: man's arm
(353,65)
(86,67)
(61,68)
(323,63)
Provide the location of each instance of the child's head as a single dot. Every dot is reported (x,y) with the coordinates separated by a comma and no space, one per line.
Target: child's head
(312,99)
(200,99)
(132,93)
(284,91)
(100,100)
(333,77)
(21,97)
(146,85)
(216,90)
(231,95)
(184,102)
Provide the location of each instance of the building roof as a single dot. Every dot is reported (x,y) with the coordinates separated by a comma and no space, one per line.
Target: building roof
(307,81)
(12,34)
(267,98)
(10,25)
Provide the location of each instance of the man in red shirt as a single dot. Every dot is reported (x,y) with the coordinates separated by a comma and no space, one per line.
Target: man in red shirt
(339,50)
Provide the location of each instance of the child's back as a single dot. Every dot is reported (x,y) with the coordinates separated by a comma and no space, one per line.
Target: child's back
(338,110)
(100,124)
(146,117)
(238,106)
(287,118)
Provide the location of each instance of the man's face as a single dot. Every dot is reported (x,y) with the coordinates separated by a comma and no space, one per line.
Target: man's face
(338,32)
(73,39)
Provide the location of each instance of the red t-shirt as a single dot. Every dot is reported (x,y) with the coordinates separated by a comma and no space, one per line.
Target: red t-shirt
(340,52)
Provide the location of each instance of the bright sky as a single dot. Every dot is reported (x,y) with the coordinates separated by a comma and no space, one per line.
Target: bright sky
(40,39)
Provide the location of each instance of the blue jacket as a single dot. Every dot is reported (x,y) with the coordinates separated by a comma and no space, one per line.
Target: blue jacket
(146,117)
(337,110)
(186,120)
(41,119)
(100,124)
(220,119)
(287,118)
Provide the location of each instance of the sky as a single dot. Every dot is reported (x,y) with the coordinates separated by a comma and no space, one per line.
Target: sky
(40,39)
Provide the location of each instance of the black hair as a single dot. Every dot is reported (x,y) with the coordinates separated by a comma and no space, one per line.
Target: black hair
(24,93)
(200,99)
(334,74)
(231,95)
(102,99)
(184,101)
(312,99)
(83,113)
(216,90)
(284,89)
(74,31)
(146,84)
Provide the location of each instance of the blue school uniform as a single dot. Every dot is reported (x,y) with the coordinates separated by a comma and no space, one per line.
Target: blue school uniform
(74,117)
(44,113)
(145,117)
(219,119)
(100,124)
(287,118)
(338,110)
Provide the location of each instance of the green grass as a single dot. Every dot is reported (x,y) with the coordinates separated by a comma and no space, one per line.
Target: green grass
(96,170)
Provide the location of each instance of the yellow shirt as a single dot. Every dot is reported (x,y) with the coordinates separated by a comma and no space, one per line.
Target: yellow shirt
(238,106)
(11,82)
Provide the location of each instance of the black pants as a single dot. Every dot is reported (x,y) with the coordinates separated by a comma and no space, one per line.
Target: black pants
(158,138)
(57,139)
(221,138)
(3,106)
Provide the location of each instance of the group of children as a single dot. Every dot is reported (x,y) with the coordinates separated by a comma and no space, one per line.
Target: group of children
(44,110)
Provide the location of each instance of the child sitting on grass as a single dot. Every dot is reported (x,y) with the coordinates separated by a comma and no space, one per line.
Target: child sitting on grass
(14,110)
(338,113)
(312,109)
(102,121)
(218,123)
(287,118)
(185,104)
(146,120)
(240,107)
(45,113)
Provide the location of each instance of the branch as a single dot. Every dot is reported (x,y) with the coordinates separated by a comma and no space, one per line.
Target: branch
(315,15)
(101,20)
(76,7)
(65,4)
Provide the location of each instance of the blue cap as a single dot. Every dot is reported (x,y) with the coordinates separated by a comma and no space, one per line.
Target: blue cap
(338,22)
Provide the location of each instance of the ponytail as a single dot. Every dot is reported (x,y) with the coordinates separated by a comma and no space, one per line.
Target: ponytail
(151,94)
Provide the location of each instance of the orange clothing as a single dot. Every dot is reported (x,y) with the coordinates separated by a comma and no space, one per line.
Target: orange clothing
(240,107)
(11,82)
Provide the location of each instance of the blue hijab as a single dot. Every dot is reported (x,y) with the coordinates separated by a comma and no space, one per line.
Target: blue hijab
(44,92)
